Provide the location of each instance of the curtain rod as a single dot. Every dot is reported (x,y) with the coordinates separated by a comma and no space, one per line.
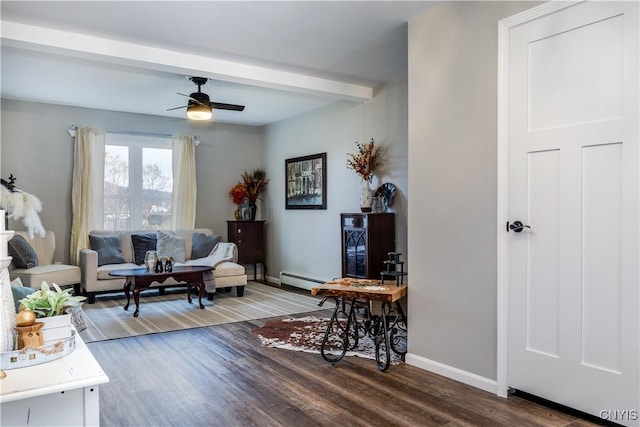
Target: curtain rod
(72,132)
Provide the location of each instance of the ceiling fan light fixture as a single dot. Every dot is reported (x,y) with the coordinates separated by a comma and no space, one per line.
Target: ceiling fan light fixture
(199,112)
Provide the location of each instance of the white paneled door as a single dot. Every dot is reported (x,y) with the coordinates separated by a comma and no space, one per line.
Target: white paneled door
(573,324)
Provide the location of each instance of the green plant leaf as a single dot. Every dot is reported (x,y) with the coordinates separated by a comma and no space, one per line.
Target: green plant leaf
(48,302)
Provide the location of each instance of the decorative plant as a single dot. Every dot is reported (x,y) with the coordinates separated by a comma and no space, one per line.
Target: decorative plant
(48,302)
(366,160)
(238,193)
(255,184)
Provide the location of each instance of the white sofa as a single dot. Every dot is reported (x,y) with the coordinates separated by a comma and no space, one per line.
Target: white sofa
(47,270)
(96,279)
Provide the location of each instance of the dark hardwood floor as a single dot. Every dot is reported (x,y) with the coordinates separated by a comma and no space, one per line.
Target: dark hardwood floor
(222,376)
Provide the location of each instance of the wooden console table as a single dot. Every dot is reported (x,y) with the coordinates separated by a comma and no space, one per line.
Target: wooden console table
(62,392)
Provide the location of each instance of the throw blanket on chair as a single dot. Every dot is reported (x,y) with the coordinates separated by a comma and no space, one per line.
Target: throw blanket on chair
(223,252)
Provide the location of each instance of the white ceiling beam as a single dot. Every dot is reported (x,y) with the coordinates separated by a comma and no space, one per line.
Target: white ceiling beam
(142,56)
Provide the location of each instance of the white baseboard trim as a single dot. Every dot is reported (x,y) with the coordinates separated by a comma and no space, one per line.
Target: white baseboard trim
(456,374)
(272,279)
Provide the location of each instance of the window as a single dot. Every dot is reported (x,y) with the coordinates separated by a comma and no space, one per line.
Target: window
(138,182)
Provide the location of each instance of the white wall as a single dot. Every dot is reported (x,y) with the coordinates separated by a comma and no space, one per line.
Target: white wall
(307,242)
(452,177)
(38,150)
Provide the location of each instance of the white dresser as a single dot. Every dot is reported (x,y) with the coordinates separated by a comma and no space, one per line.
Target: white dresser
(63,392)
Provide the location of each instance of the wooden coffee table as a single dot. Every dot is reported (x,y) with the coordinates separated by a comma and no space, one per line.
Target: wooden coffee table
(141,279)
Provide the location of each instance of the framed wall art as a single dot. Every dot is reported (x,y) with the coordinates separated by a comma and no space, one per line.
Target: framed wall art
(306,182)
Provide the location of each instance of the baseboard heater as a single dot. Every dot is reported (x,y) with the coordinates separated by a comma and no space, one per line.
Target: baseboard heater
(298,281)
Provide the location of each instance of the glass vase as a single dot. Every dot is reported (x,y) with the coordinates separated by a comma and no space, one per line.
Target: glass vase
(244,211)
(150,260)
(377,206)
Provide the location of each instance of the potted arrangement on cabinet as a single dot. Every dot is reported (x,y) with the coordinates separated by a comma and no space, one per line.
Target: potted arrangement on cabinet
(364,163)
(247,192)
(53,307)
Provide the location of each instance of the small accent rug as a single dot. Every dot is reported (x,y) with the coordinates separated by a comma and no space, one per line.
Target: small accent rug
(106,319)
(306,334)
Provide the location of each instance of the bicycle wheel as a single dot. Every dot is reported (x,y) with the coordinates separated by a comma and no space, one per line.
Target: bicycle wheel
(383,356)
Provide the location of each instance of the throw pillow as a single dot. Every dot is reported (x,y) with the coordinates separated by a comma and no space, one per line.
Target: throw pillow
(171,245)
(108,248)
(20,292)
(141,244)
(23,254)
(203,244)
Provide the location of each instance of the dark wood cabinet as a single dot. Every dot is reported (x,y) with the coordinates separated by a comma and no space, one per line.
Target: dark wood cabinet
(250,238)
(367,238)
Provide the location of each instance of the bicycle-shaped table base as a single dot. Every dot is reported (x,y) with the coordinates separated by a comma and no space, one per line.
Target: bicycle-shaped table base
(388,328)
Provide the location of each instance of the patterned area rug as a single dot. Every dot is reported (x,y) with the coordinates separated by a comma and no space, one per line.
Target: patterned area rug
(306,334)
(106,319)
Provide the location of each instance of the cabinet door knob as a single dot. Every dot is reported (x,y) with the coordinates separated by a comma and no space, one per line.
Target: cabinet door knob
(239,241)
(239,230)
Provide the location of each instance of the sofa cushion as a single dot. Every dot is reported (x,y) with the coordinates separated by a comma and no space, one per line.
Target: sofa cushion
(45,246)
(187,235)
(24,256)
(108,249)
(171,245)
(225,269)
(103,271)
(141,244)
(203,244)
(60,274)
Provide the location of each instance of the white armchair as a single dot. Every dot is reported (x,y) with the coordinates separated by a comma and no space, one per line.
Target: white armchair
(46,270)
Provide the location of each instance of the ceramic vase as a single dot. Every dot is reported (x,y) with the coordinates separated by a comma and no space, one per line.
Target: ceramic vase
(366,197)
(252,211)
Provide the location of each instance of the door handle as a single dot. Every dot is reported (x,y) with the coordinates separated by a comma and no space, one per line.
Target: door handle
(517,226)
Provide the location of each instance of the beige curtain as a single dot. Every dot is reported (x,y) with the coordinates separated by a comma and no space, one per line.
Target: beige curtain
(87,188)
(184,182)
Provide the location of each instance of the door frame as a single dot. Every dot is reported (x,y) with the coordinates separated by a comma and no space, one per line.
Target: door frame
(504,28)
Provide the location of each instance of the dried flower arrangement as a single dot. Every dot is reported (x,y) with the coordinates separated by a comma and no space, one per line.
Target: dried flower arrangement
(238,193)
(255,183)
(250,188)
(365,162)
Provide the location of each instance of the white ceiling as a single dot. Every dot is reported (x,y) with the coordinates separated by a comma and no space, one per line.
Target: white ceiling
(277,58)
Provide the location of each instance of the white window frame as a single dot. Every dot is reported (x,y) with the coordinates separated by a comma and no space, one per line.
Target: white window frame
(136,144)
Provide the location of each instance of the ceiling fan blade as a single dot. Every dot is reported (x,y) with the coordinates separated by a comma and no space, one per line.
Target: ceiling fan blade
(176,108)
(223,106)
(192,98)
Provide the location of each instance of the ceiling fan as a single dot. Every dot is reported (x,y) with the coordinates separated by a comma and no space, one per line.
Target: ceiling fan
(199,106)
